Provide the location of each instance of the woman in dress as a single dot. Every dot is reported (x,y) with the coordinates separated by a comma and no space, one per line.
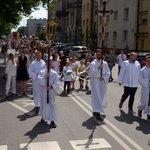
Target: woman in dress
(22,71)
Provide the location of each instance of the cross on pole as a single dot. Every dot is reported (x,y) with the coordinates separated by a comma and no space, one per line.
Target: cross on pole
(104,13)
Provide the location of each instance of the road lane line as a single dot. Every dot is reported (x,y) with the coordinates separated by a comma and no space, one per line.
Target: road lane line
(109,123)
(20,108)
(3,147)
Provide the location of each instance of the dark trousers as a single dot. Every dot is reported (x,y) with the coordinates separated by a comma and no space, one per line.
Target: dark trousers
(129,91)
(119,67)
(67,83)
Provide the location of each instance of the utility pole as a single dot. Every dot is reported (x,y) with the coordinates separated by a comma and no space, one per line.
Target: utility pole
(104,13)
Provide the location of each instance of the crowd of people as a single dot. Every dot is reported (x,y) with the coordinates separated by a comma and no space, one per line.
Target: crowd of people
(48,70)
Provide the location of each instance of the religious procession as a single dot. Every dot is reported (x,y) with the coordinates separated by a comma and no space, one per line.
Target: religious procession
(38,64)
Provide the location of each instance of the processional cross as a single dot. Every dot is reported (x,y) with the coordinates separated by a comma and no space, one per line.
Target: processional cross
(104,13)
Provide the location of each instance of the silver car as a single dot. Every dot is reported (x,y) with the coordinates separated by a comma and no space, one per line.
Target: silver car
(77,51)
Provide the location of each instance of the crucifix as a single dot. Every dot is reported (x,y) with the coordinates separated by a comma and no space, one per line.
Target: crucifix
(104,13)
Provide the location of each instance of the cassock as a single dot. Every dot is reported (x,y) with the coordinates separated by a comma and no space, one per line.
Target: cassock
(144,79)
(34,68)
(98,88)
(48,110)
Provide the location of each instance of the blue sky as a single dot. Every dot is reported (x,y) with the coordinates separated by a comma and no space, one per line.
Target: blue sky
(41,13)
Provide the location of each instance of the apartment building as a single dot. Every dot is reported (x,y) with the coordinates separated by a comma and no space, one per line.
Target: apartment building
(35,25)
(68,17)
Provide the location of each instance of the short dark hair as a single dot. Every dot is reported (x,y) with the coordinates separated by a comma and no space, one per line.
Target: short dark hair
(99,50)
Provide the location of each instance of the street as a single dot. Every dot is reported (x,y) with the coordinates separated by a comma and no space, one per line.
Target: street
(21,129)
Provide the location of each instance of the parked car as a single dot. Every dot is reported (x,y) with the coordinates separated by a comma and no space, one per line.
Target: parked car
(77,51)
(66,50)
(56,43)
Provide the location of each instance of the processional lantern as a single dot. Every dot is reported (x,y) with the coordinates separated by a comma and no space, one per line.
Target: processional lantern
(50,36)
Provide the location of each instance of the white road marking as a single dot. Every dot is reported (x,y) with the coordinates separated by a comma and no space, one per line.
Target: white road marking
(3,147)
(40,146)
(22,109)
(122,143)
(89,144)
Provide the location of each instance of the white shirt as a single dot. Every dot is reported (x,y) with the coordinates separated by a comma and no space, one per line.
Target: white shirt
(121,59)
(67,77)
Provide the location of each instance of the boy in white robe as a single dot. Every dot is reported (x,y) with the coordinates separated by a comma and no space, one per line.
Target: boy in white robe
(144,79)
(128,76)
(98,84)
(35,67)
(47,109)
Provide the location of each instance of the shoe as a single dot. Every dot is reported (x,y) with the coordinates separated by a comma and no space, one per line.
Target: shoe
(53,125)
(130,111)
(13,94)
(97,115)
(140,113)
(42,120)
(37,109)
(148,117)
(120,105)
(86,87)
(6,96)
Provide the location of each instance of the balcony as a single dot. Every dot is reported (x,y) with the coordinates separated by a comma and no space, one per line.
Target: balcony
(70,7)
(62,13)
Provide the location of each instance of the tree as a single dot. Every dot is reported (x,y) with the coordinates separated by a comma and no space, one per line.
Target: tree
(11,11)
(21,30)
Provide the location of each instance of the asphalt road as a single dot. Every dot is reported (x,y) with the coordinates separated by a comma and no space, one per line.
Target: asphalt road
(21,129)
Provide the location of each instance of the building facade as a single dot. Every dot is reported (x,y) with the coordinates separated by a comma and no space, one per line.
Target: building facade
(35,25)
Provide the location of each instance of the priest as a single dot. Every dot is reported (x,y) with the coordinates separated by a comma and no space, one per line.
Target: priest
(99,75)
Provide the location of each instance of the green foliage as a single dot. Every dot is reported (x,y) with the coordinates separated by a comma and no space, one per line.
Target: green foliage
(41,35)
(11,12)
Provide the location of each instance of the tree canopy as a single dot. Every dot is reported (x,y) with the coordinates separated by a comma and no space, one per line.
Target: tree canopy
(11,12)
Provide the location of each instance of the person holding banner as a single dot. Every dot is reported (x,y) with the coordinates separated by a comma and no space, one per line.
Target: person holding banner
(47,108)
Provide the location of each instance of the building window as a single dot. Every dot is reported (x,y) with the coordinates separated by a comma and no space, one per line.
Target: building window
(88,7)
(84,8)
(107,36)
(114,35)
(115,15)
(107,18)
(83,22)
(125,35)
(87,22)
(100,20)
(144,21)
(126,13)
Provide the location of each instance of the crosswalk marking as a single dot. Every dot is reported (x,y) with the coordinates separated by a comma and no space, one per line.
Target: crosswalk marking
(40,146)
(89,144)
(3,147)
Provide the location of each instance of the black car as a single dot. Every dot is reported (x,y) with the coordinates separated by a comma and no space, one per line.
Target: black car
(66,49)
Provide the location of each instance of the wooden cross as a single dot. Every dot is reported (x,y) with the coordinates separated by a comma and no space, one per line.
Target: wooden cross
(104,14)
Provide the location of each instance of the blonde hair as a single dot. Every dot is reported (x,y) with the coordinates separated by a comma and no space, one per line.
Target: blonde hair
(11,57)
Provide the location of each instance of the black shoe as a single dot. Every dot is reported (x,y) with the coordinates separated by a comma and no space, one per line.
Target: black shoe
(86,87)
(97,115)
(131,112)
(53,125)
(148,117)
(37,109)
(120,105)
(140,113)
(6,96)
(42,120)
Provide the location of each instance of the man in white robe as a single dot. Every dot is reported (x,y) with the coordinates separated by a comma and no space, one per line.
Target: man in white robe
(128,76)
(98,83)
(144,79)
(35,67)
(47,109)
